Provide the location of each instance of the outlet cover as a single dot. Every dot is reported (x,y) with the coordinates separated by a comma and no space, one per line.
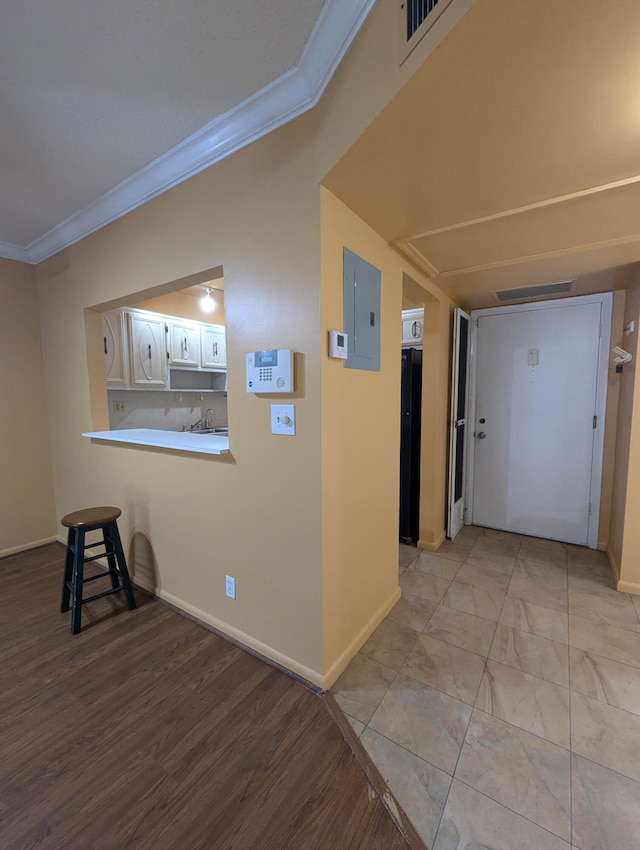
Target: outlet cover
(230,586)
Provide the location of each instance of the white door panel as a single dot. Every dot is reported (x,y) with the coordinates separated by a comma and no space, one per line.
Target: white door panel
(536,390)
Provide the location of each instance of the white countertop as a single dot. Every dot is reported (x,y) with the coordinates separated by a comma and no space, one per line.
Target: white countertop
(181,441)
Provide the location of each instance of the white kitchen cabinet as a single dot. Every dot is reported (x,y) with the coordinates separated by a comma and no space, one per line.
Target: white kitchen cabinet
(184,344)
(148,350)
(214,347)
(116,349)
(413,327)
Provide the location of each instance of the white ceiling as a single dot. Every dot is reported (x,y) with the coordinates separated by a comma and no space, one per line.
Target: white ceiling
(91,93)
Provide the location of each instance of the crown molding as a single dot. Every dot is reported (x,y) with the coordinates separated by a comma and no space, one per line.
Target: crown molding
(295,92)
(8,251)
(418,257)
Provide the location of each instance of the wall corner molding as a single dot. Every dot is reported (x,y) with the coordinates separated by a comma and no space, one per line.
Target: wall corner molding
(284,99)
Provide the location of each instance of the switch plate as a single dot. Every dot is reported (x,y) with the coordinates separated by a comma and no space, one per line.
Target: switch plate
(283,419)
(533,357)
(230,586)
(118,407)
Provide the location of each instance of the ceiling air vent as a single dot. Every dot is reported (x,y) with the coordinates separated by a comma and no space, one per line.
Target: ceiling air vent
(417,17)
(542,291)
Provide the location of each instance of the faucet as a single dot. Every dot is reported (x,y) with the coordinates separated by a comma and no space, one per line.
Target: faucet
(195,427)
(207,422)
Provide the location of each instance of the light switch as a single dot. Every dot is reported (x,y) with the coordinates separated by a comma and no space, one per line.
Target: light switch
(283,419)
(532,357)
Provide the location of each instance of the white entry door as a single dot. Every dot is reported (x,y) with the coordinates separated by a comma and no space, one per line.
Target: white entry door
(539,398)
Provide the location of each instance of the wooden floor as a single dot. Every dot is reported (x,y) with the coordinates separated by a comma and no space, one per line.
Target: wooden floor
(148,731)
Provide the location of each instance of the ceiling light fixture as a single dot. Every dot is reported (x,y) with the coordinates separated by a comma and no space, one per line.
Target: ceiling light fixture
(207,303)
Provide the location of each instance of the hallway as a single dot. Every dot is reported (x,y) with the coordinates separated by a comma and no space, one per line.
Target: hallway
(500,698)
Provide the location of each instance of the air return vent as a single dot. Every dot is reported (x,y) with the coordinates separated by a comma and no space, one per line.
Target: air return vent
(418,16)
(543,291)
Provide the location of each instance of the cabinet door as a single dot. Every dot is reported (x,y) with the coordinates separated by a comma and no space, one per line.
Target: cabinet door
(412,327)
(214,347)
(148,351)
(115,348)
(184,344)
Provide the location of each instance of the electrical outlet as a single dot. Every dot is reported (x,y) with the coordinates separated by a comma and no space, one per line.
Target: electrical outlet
(230,586)
(118,407)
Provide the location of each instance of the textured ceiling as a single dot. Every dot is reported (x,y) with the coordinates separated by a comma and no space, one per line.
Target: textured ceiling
(512,156)
(91,92)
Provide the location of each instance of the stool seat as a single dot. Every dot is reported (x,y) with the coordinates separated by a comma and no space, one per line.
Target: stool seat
(91,517)
(79,523)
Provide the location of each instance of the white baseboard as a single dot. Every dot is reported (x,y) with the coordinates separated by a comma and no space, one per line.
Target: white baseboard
(24,546)
(312,676)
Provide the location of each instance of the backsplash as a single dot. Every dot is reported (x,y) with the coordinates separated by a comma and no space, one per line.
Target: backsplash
(166,411)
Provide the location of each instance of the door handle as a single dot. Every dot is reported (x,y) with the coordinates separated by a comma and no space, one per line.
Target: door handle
(481,435)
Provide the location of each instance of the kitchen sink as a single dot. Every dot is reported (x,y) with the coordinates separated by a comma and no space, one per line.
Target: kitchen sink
(210,431)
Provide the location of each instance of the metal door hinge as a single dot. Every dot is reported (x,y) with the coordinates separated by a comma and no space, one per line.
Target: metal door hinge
(595,421)
(599,331)
(589,509)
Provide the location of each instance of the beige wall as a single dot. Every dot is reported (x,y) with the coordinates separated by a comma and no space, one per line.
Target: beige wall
(27,515)
(624,538)
(361,443)
(191,520)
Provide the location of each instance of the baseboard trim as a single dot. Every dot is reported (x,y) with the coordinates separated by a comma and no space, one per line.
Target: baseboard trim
(432,547)
(628,587)
(614,567)
(308,676)
(342,662)
(35,544)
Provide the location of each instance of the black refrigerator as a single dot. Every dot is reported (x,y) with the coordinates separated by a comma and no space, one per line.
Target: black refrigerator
(410,416)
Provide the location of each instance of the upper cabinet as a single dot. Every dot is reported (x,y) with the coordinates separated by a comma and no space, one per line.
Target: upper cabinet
(413,327)
(145,350)
(148,350)
(184,343)
(116,352)
(214,347)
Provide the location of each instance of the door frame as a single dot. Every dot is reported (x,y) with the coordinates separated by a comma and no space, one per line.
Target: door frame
(455,522)
(605,299)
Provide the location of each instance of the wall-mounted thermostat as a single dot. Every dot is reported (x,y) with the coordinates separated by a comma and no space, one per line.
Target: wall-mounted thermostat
(338,345)
(270,371)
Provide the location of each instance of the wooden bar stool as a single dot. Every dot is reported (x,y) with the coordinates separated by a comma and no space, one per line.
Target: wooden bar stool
(78,523)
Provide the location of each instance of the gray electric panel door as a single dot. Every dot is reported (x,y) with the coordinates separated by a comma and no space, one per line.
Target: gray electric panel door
(361,312)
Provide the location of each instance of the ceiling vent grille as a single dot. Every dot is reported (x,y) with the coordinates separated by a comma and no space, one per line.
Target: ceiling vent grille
(418,16)
(417,11)
(528,292)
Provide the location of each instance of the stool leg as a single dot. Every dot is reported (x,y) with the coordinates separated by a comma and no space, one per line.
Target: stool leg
(122,565)
(111,558)
(78,570)
(68,572)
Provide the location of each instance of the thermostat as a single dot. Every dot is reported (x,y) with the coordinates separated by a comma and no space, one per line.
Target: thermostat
(270,371)
(338,344)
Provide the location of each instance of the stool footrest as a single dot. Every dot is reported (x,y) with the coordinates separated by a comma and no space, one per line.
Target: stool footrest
(93,578)
(104,593)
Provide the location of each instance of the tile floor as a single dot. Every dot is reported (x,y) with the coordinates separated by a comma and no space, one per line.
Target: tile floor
(500,698)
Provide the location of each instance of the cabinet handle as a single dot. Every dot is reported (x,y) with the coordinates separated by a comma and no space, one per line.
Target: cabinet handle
(414,330)
(149,351)
(186,346)
(215,348)
(105,344)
